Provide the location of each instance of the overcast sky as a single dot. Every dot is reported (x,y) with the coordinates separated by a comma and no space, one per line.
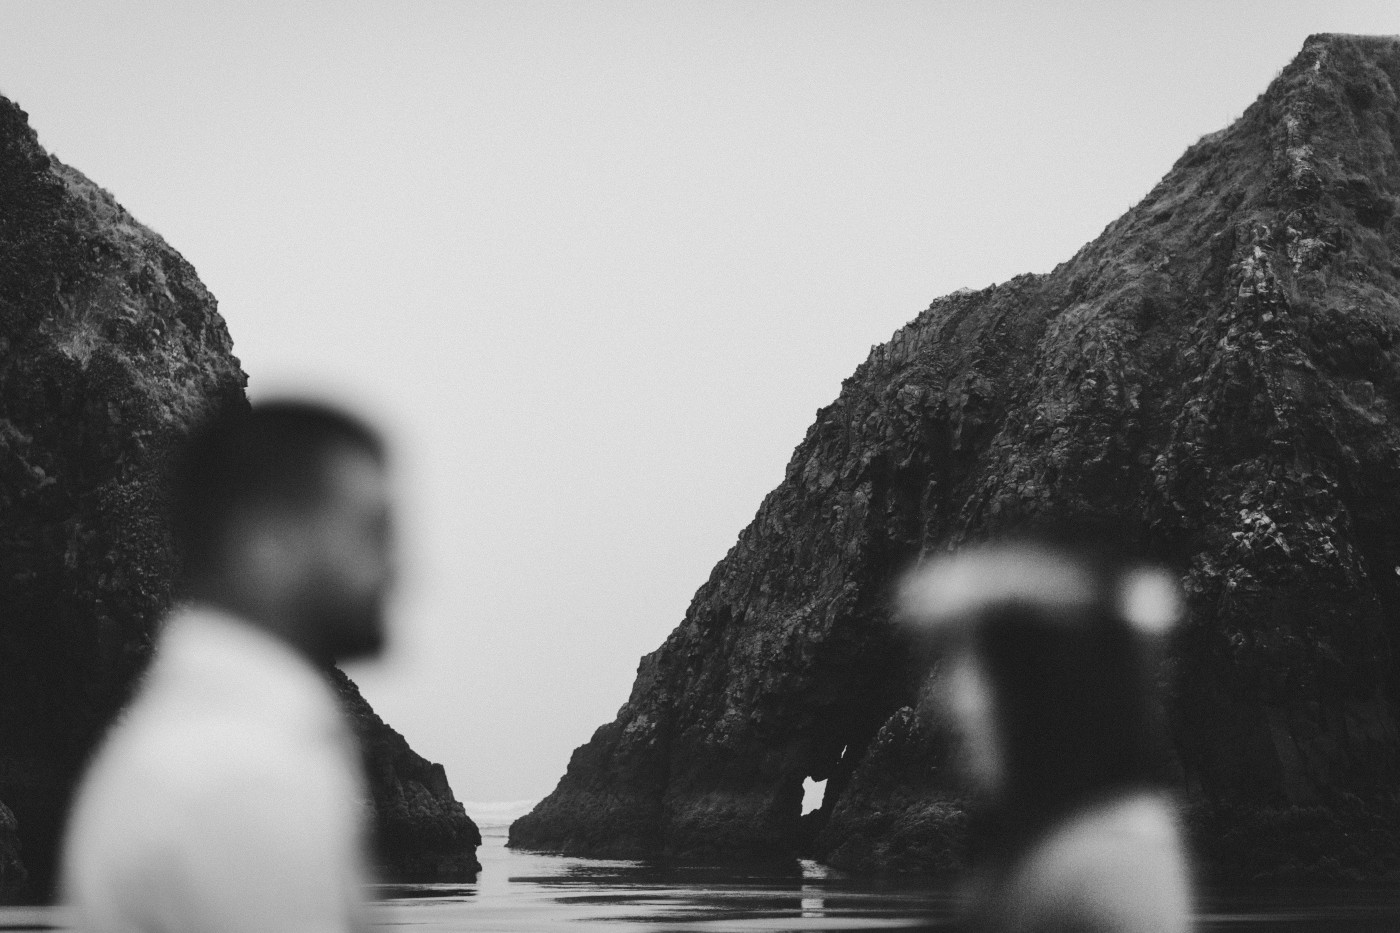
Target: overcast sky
(594,267)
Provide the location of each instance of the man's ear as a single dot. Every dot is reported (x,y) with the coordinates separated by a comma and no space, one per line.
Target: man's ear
(273,550)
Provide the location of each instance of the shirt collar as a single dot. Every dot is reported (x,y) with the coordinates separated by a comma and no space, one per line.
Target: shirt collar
(216,657)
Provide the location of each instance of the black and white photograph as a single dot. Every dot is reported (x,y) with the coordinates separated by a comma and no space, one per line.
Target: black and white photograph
(699,467)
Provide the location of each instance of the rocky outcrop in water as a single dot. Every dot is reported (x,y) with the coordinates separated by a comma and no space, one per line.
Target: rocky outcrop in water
(422,833)
(109,347)
(1218,374)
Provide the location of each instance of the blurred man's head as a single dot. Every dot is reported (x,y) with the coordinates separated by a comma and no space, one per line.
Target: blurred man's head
(282,514)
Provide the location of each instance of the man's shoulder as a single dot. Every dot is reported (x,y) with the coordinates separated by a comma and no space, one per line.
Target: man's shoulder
(214,663)
(178,754)
(205,736)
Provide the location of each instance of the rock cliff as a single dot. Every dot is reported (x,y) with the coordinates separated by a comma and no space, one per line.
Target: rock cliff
(12,872)
(422,833)
(1218,373)
(109,346)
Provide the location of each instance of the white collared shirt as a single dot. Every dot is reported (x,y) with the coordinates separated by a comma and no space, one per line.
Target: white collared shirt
(228,797)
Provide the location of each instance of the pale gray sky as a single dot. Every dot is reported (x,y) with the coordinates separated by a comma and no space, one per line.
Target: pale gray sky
(596,266)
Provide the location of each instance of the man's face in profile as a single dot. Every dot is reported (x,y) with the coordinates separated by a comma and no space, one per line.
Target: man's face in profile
(351,568)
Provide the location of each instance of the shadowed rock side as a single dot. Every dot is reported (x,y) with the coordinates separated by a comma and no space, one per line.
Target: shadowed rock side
(887,817)
(109,347)
(1218,374)
(421,831)
(12,872)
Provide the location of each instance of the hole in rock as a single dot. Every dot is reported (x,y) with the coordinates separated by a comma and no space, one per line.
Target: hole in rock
(813,792)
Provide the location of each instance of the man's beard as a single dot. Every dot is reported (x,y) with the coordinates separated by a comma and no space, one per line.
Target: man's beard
(350,627)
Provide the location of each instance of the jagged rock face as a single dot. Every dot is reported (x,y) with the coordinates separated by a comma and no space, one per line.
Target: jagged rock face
(12,872)
(109,344)
(109,347)
(891,814)
(1217,373)
(422,833)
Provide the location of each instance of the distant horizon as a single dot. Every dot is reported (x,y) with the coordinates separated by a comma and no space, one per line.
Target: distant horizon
(594,268)
(497,814)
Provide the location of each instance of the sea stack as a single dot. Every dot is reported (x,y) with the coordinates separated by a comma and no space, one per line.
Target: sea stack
(1218,373)
(109,347)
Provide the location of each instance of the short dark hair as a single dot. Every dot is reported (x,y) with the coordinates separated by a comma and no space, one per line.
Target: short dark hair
(241,457)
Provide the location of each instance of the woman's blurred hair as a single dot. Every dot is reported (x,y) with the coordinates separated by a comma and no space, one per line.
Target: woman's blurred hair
(1064,631)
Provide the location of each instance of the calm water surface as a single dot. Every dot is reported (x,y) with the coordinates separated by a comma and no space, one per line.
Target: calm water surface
(520,891)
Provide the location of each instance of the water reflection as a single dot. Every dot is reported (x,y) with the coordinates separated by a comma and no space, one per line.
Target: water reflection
(1302,909)
(527,891)
(392,891)
(530,893)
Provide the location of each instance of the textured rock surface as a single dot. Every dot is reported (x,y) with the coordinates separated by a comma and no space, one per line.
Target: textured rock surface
(109,346)
(1218,372)
(887,818)
(12,872)
(422,832)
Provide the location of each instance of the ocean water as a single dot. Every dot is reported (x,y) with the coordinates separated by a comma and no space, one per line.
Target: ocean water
(520,891)
(527,892)
(524,891)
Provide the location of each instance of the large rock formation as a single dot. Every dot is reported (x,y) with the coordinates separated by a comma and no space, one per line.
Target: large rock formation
(109,347)
(12,872)
(1219,374)
(421,831)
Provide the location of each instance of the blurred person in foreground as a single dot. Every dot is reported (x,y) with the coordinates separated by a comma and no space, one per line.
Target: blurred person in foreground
(1046,686)
(229,796)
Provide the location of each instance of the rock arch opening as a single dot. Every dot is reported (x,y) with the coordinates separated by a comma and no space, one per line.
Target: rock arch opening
(813,794)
